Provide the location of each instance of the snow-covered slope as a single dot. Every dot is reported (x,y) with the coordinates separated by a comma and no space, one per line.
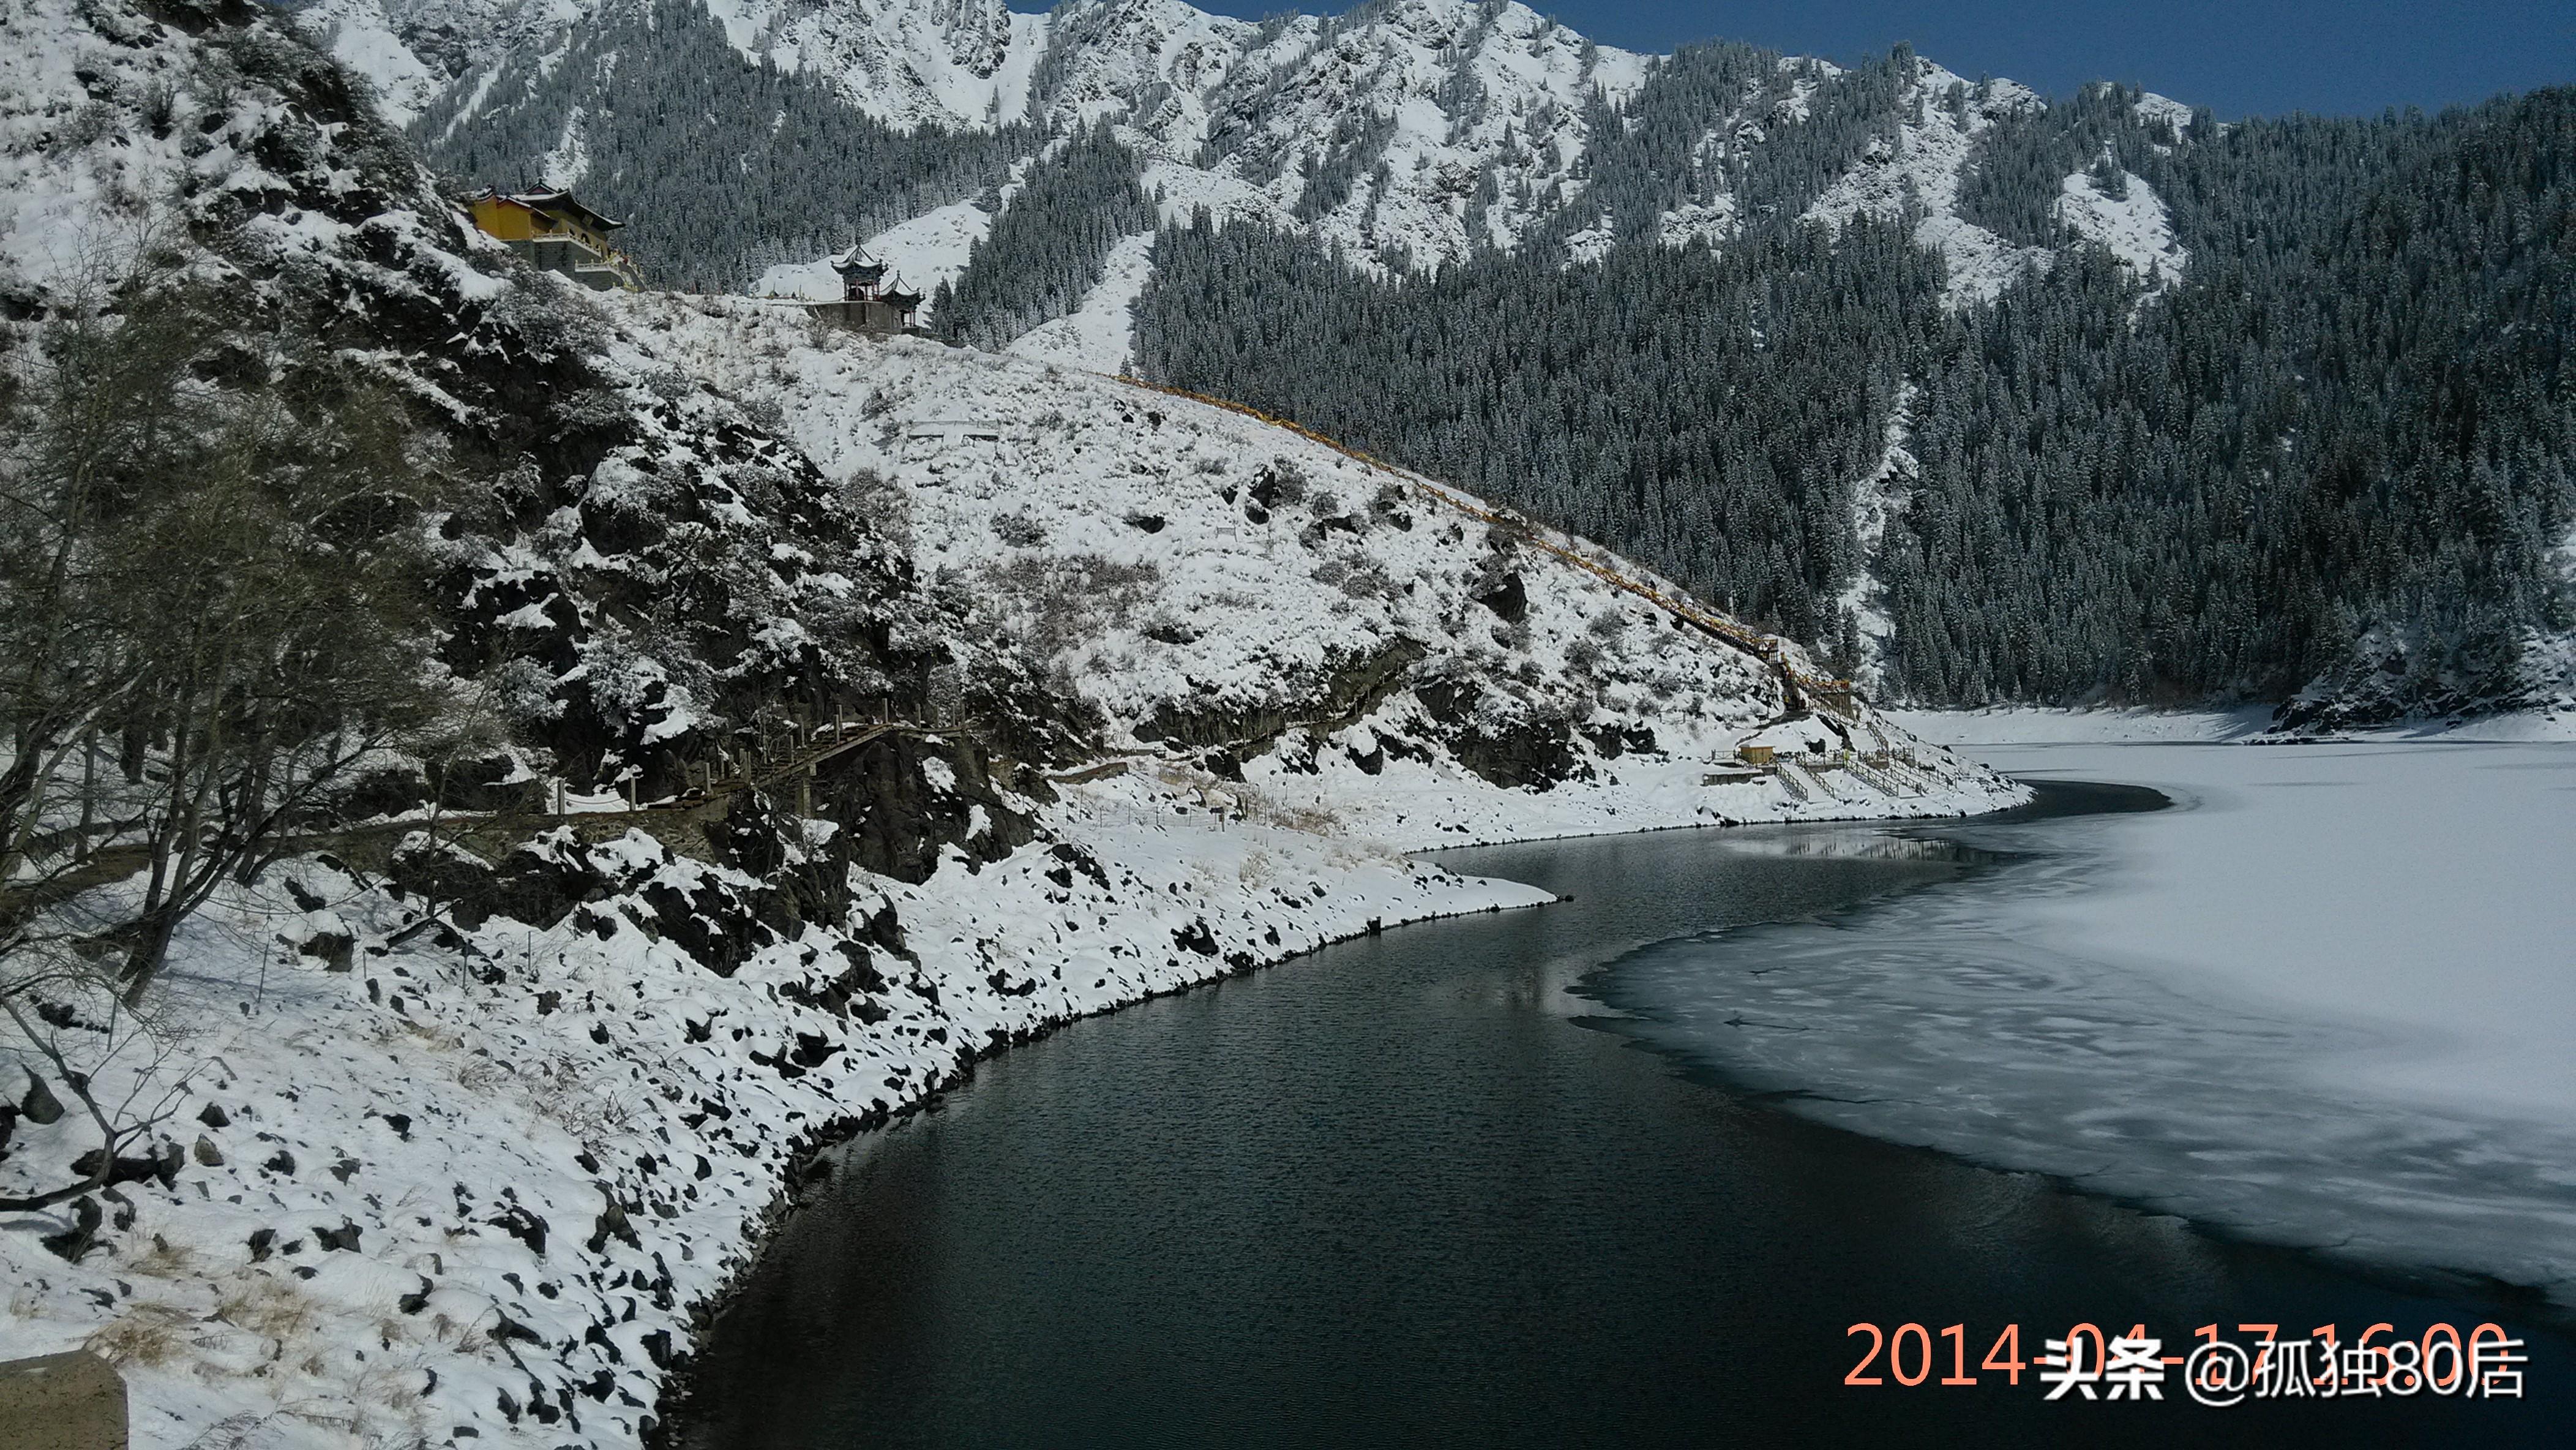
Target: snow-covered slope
(1875,501)
(1923,167)
(2132,226)
(1928,160)
(1097,335)
(1409,131)
(1404,660)
(410,50)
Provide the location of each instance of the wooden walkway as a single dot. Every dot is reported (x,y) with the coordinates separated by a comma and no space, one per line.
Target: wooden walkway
(1834,695)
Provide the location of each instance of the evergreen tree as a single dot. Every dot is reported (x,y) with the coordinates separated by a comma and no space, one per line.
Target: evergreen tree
(1045,250)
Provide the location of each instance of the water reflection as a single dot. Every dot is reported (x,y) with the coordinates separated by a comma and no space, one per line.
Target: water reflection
(1398,1193)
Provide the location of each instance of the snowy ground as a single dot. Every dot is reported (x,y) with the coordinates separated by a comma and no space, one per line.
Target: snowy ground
(1096,335)
(2323,1001)
(1120,532)
(2134,227)
(466,1193)
(1923,167)
(424,1182)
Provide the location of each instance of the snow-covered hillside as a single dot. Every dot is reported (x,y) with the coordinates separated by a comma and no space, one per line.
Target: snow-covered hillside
(1207,579)
(1923,168)
(1928,160)
(1414,130)
(1441,92)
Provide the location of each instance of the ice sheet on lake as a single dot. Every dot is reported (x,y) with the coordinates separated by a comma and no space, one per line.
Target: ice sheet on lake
(2326,1001)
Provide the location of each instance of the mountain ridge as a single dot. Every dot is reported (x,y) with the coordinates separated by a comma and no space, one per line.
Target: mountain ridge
(1468,124)
(1411,140)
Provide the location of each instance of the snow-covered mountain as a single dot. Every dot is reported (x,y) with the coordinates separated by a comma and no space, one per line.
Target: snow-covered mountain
(1923,163)
(1405,132)
(1233,114)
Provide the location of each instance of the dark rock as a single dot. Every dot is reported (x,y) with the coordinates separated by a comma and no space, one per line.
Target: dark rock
(540,883)
(718,925)
(613,1224)
(1613,741)
(856,983)
(1507,598)
(896,824)
(1279,481)
(39,1106)
(1537,752)
(1342,689)
(333,1240)
(484,783)
(334,949)
(1080,860)
(76,1241)
(886,930)
(524,1226)
(141,1169)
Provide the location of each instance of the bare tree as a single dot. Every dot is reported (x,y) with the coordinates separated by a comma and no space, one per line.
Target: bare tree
(122,1119)
(100,406)
(215,559)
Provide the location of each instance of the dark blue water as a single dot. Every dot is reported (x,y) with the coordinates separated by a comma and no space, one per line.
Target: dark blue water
(1403,1192)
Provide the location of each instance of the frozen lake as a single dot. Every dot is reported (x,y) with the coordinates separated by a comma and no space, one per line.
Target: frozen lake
(1415,1189)
(2328,1000)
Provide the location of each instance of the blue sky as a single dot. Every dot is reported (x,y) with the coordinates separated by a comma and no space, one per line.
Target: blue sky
(2239,57)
